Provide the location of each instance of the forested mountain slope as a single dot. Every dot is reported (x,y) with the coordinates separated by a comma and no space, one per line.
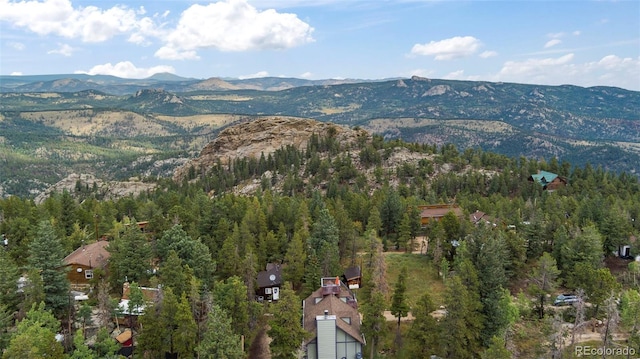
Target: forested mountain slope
(317,208)
(54,134)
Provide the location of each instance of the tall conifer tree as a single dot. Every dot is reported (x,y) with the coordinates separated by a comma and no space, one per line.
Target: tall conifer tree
(46,256)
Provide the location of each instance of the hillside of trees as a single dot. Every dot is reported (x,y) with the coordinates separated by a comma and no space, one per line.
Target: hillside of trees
(317,211)
(49,131)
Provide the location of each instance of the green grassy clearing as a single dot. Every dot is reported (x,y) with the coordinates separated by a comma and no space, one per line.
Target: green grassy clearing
(422,276)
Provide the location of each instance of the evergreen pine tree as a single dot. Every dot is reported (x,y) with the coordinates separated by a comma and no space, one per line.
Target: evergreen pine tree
(496,350)
(105,346)
(231,295)
(229,255)
(35,336)
(9,275)
(130,257)
(168,314)
(462,326)
(81,350)
(404,235)
(373,322)
(423,336)
(312,274)
(173,274)
(285,330)
(294,270)
(543,280)
(399,306)
(46,256)
(185,332)
(219,340)
(324,240)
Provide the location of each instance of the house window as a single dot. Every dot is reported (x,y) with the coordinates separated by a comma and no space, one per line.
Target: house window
(267,291)
(88,274)
(346,319)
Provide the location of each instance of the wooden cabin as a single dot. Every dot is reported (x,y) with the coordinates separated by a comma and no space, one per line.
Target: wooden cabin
(549,181)
(269,283)
(435,212)
(84,260)
(353,277)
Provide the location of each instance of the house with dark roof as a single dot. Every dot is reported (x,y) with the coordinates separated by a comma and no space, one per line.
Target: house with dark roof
(269,283)
(548,180)
(84,260)
(353,277)
(331,315)
(479,217)
(624,250)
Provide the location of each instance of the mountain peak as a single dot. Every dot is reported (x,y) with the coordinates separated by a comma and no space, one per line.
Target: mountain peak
(166,76)
(264,136)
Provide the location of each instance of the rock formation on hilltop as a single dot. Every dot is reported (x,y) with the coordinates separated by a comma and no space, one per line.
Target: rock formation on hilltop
(104,189)
(264,135)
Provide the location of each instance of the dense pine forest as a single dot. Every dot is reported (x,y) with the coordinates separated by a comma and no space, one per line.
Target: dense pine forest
(454,288)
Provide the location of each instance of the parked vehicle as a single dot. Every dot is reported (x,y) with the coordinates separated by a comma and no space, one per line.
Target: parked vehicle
(565,299)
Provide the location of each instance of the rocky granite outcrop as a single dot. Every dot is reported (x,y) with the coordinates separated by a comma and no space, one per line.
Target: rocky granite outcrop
(264,135)
(105,189)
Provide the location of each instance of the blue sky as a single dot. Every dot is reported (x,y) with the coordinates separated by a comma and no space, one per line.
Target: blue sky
(584,43)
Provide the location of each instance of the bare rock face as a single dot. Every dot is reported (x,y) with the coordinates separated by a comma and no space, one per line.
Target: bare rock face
(106,189)
(264,135)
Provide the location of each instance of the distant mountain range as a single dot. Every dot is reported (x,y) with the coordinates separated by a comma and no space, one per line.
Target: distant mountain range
(165,81)
(167,113)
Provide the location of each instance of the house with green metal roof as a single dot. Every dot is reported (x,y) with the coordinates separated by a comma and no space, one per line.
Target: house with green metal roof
(548,180)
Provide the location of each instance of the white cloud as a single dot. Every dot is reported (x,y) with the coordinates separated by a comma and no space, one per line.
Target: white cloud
(253,76)
(90,23)
(419,73)
(555,35)
(613,62)
(17,46)
(488,54)
(16,73)
(576,33)
(455,75)
(126,69)
(234,25)
(455,47)
(306,75)
(169,53)
(610,70)
(533,67)
(64,50)
(552,42)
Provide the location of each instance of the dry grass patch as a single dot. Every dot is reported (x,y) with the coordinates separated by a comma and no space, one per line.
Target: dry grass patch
(213,120)
(89,122)
(382,124)
(630,146)
(334,110)
(483,126)
(43,95)
(235,98)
